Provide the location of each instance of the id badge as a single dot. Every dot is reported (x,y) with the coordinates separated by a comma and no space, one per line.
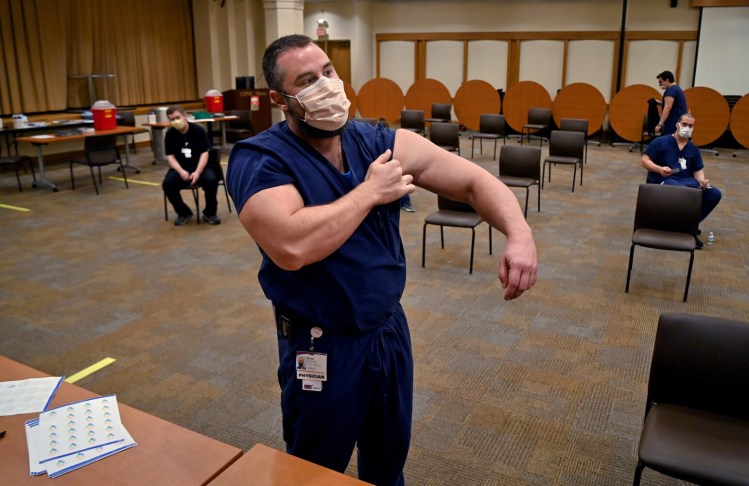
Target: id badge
(187,152)
(311,366)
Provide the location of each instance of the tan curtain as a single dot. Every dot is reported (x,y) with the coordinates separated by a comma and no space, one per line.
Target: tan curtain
(32,67)
(146,45)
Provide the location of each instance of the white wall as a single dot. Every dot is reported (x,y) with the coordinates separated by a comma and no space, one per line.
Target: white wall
(722,63)
(347,21)
(227,42)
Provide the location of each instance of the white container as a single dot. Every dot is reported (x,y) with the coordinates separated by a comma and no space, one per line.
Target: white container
(20,121)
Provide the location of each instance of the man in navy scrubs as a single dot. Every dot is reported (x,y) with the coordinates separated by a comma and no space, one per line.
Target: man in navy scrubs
(675,161)
(320,195)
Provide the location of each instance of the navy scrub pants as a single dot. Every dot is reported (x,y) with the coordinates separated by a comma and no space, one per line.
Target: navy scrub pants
(366,402)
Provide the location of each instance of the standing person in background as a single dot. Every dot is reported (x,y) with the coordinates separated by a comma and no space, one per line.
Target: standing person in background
(673,104)
(186,146)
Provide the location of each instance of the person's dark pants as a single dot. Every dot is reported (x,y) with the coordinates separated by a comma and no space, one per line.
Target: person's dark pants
(366,401)
(173,184)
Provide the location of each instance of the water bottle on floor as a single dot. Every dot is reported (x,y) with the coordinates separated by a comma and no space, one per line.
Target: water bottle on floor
(710,238)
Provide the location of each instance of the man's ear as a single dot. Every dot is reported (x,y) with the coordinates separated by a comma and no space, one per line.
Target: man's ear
(279,100)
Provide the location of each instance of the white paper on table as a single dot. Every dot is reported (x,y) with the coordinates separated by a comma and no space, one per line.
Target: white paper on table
(27,396)
(74,435)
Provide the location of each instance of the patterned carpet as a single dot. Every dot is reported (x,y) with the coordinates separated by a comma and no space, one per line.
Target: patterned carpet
(547,389)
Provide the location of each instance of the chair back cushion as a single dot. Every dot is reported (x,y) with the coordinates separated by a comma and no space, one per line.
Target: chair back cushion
(412,119)
(444,203)
(126,118)
(701,362)
(520,161)
(668,208)
(539,116)
(493,124)
(442,110)
(244,120)
(445,134)
(567,144)
(574,125)
(101,150)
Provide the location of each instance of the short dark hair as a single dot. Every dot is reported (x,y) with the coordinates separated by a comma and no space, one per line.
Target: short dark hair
(271,71)
(666,76)
(688,115)
(174,108)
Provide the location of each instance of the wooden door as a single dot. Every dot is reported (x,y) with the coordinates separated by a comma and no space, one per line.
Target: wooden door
(339,52)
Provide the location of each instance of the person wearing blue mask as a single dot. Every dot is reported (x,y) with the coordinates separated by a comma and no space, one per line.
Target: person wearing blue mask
(186,146)
(674,160)
(320,196)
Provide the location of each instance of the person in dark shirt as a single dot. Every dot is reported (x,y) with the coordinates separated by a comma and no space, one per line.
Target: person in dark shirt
(673,104)
(674,160)
(186,146)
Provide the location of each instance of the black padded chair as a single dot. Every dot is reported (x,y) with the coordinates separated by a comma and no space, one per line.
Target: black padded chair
(18,162)
(566,148)
(413,120)
(441,113)
(99,151)
(576,125)
(666,218)
(696,424)
(539,119)
(446,136)
(214,162)
(647,135)
(127,119)
(491,127)
(454,214)
(521,167)
(240,128)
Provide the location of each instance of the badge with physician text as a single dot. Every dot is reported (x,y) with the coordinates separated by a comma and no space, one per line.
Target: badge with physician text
(311,366)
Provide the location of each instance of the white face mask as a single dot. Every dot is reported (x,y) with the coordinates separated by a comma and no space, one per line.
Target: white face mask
(685,132)
(325,104)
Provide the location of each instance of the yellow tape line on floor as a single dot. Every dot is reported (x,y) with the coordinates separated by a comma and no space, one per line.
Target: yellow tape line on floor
(14,208)
(91,369)
(134,181)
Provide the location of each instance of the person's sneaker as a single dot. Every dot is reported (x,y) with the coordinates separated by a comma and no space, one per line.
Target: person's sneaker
(182,220)
(211,219)
(408,208)
(699,243)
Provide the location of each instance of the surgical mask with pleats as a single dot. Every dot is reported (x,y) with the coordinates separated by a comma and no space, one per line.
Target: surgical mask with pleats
(179,123)
(685,132)
(324,103)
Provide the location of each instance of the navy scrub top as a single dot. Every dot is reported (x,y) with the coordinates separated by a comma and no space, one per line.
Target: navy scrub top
(355,288)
